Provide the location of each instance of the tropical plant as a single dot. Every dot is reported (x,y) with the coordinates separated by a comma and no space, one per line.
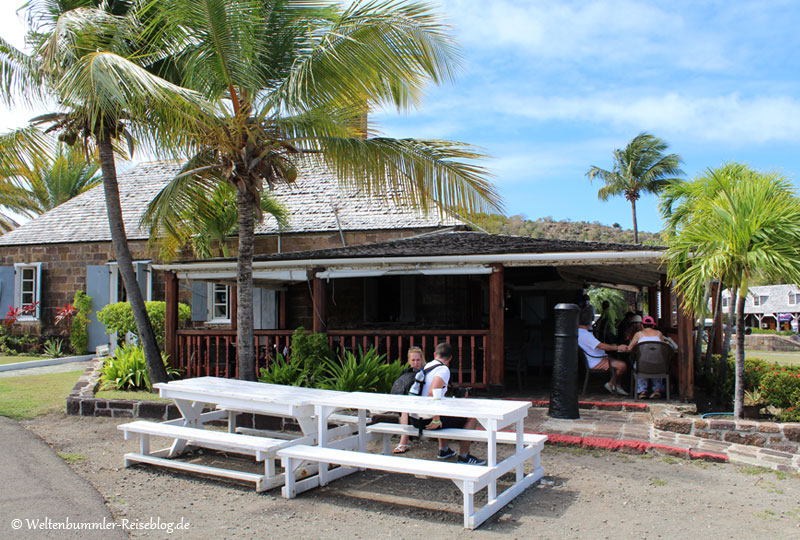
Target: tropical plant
(43,181)
(210,221)
(291,81)
(14,314)
(641,167)
(367,372)
(53,348)
(281,371)
(735,223)
(78,330)
(90,57)
(617,306)
(118,318)
(127,370)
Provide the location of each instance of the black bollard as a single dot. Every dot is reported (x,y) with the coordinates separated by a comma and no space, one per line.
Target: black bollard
(564,395)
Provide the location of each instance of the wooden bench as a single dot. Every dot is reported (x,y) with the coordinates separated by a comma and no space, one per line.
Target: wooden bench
(262,448)
(468,478)
(386,431)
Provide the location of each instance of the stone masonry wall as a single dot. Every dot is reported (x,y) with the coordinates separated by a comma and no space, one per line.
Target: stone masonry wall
(771,435)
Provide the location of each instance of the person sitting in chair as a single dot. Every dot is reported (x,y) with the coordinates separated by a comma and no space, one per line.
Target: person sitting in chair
(595,352)
(649,333)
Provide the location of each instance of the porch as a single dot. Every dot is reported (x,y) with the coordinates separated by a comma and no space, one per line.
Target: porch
(490,296)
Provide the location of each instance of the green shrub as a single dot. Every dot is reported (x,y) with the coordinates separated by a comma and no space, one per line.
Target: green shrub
(369,372)
(792,414)
(781,387)
(283,372)
(773,332)
(54,348)
(78,334)
(310,352)
(119,318)
(127,370)
(754,371)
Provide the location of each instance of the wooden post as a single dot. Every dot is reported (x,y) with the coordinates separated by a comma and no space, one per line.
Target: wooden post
(282,310)
(320,304)
(171,317)
(496,326)
(716,344)
(234,308)
(685,353)
(666,304)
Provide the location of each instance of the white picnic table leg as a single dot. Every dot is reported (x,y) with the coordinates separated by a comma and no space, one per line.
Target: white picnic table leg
(308,425)
(232,421)
(322,414)
(362,430)
(191,411)
(520,444)
(490,425)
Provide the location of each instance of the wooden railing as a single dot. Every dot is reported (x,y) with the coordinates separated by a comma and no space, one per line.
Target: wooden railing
(213,352)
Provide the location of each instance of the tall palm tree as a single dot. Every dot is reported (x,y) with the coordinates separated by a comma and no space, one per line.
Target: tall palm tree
(291,79)
(641,167)
(43,181)
(87,56)
(735,223)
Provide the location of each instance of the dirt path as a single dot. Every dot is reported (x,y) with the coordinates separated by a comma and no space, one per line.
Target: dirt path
(591,494)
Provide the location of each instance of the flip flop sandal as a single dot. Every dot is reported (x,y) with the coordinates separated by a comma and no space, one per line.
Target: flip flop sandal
(400,449)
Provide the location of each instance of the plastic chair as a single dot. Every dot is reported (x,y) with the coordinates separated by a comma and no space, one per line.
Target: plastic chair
(585,362)
(651,360)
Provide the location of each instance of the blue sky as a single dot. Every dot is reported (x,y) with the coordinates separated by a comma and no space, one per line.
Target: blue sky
(551,88)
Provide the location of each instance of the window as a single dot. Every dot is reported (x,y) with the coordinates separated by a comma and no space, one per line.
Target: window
(219,304)
(28,278)
(724,302)
(117,292)
(794,299)
(759,300)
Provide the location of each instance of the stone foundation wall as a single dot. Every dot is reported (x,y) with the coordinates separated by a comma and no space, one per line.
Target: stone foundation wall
(771,435)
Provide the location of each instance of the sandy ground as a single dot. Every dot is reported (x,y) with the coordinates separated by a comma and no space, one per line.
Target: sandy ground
(586,494)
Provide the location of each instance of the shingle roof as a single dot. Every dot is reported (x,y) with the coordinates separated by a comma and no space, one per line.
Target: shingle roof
(314,200)
(458,243)
(777,299)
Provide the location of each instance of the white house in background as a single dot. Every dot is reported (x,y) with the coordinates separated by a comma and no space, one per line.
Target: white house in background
(770,306)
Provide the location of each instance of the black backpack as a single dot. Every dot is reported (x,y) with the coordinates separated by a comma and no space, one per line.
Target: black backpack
(404,382)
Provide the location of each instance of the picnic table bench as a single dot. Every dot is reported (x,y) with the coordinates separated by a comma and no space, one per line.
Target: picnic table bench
(262,448)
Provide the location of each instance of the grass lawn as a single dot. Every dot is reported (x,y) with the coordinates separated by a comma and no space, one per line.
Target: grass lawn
(30,396)
(124,394)
(785,358)
(19,358)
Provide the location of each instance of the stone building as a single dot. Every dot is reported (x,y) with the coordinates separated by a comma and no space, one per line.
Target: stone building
(69,248)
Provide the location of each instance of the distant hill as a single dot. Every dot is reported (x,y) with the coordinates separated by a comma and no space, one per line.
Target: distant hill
(547,227)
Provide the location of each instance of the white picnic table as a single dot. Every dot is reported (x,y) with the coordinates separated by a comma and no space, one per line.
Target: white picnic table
(306,458)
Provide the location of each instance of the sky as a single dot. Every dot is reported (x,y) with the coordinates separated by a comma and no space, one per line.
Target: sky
(552,88)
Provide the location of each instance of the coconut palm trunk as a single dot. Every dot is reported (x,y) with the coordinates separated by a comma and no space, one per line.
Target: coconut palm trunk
(635,224)
(155,365)
(244,286)
(738,399)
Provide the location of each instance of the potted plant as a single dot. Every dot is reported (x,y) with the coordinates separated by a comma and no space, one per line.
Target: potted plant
(754,401)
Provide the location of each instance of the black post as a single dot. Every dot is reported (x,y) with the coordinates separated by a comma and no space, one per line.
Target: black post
(564,396)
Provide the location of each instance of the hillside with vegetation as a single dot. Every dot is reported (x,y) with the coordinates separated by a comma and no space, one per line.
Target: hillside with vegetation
(547,227)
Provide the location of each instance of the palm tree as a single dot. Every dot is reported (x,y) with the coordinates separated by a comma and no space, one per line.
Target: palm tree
(87,57)
(734,223)
(210,221)
(43,181)
(291,79)
(640,168)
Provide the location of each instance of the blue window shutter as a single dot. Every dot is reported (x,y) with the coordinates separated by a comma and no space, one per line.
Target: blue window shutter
(199,293)
(142,277)
(269,309)
(256,309)
(6,289)
(97,288)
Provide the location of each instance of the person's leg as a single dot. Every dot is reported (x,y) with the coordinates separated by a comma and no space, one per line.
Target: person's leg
(618,368)
(403,446)
(463,446)
(458,423)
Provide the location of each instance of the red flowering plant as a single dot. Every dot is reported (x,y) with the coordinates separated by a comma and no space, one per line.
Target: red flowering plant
(65,315)
(14,314)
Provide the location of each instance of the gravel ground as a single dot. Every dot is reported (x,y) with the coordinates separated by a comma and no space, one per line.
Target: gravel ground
(586,494)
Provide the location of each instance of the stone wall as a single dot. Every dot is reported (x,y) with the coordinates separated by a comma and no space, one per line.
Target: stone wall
(768,342)
(769,435)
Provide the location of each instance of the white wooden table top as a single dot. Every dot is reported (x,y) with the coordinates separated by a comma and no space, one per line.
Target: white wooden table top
(496,409)
(218,387)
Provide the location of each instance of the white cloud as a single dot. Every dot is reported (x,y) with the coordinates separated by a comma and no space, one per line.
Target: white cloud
(608,32)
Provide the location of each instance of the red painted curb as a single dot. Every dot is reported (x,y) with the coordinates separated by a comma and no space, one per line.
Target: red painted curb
(620,444)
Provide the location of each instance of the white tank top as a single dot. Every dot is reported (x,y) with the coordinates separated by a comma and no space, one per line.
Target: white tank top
(645,339)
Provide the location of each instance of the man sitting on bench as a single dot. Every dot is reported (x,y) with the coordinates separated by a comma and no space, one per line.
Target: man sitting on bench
(439,377)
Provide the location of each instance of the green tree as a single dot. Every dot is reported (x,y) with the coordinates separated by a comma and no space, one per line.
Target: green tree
(211,219)
(88,56)
(731,224)
(641,167)
(44,181)
(291,81)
